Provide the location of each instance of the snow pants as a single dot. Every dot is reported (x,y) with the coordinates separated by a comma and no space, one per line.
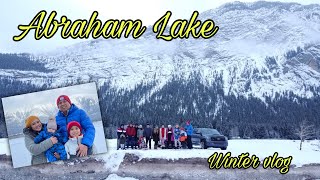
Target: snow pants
(176,142)
(162,140)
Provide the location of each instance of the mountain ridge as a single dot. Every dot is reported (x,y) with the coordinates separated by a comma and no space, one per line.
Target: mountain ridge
(249,51)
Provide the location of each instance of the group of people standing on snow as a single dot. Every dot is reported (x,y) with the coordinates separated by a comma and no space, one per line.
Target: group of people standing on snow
(137,136)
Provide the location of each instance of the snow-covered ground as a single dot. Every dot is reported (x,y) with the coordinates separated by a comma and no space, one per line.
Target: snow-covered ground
(116,177)
(310,152)
(22,157)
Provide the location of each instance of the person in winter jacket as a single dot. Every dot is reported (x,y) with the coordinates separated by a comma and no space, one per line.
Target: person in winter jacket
(47,133)
(155,137)
(183,138)
(170,137)
(69,112)
(122,141)
(120,130)
(33,127)
(142,143)
(140,131)
(177,136)
(136,139)
(163,135)
(75,137)
(147,133)
(140,137)
(131,133)
(189,130)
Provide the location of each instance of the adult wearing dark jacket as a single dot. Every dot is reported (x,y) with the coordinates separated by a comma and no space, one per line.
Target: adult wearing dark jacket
(120,131)
(155,137)
(131,133)
(147,133)
(170,137)
(136,136)
(69,112)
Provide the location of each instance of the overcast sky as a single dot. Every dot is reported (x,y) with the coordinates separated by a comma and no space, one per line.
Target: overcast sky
(34,100)
(16,12)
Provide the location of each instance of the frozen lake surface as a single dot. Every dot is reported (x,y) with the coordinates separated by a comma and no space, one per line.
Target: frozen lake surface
(22,157)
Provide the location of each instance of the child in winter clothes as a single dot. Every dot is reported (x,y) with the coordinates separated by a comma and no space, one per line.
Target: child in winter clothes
(140,137)
(183,138)
(142,143)
(177,136)
(75,138)
(49,132)
(122,140)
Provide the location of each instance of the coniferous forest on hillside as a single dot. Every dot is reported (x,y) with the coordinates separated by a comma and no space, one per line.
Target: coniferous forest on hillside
(181,99)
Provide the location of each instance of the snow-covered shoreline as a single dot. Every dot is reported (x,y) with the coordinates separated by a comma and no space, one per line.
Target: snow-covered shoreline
(262,148)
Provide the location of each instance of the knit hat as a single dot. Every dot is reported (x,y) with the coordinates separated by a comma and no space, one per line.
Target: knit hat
(63,97)
(29,121)
(71,124)
(140,126)
(169,126)
(52,124)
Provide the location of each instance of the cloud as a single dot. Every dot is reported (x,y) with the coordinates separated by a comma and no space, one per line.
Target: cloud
(16,12)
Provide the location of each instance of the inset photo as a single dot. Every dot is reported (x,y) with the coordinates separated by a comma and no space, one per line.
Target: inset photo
(53,125)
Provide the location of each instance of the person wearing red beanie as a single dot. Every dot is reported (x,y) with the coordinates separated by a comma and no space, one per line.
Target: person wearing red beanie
(63,98)
(75,129)
(64,104)
(69,112)
(75,138)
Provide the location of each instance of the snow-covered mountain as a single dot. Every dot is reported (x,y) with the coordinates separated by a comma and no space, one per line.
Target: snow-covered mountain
(256,76)
(261,48)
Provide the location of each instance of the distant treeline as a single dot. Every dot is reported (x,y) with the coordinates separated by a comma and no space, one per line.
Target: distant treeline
(207,106)
(204,105)
(21,62)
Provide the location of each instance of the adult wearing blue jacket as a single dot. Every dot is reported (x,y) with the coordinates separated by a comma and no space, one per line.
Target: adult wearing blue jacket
(189,131)
(69,112)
